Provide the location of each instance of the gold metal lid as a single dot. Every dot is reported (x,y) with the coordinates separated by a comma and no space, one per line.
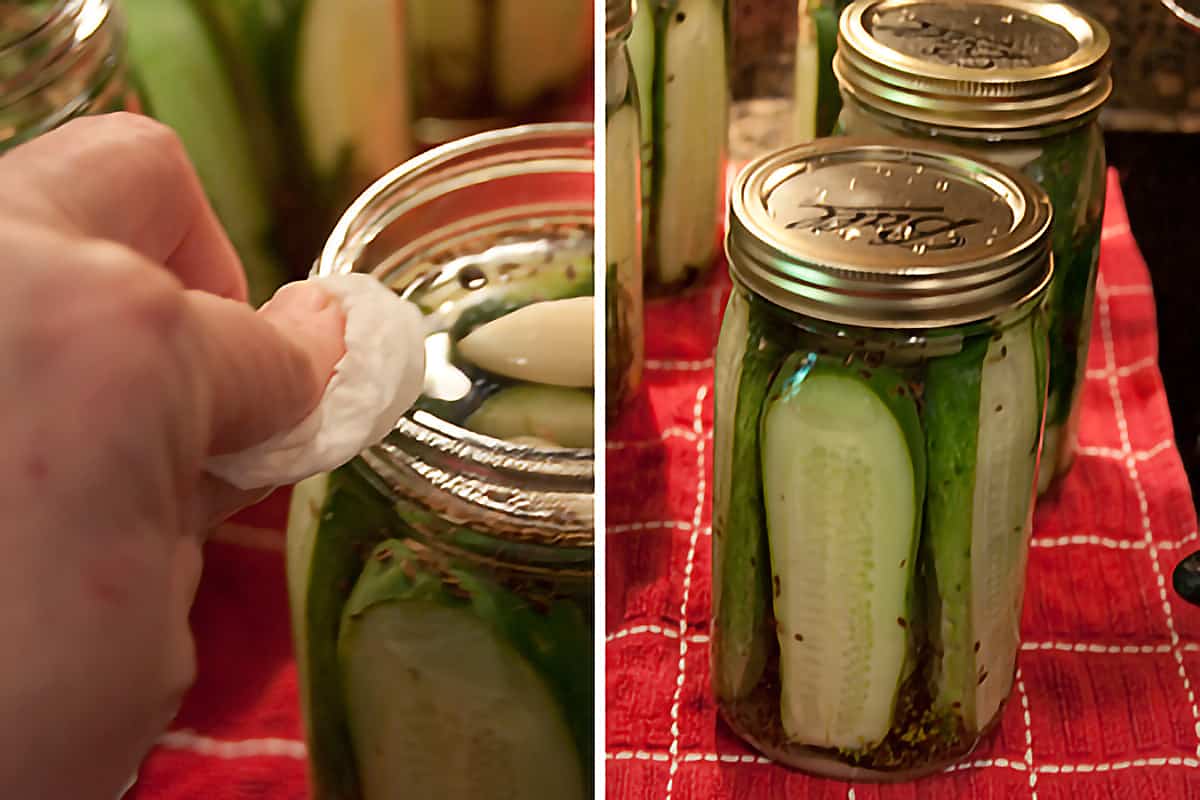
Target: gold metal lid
(618,18)
(888,234)
(986,66)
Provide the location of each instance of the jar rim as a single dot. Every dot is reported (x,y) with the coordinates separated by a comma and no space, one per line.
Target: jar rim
(941,84)
(519,491)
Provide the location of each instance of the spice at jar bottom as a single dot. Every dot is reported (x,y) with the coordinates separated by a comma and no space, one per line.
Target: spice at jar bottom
(880,394)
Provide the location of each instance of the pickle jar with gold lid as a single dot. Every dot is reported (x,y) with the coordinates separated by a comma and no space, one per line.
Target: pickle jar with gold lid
(880,382)
(1017,82)
(441,583)
(60,59)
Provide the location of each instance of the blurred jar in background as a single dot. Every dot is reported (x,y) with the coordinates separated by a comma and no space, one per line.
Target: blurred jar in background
(680,55)
(623,220)
(782,83)
(480,64)
(59,59)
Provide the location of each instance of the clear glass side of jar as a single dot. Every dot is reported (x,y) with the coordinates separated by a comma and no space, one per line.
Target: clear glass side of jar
(494,538)
(843,641)
(1068,162)
(479,65)
(60,60)
(783,88)
(624,321)
(679,50)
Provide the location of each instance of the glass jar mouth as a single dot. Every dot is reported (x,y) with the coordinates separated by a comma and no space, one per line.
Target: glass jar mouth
(532,493)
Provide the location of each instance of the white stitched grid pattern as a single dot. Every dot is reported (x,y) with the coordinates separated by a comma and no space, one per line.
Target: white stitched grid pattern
(1028,734)
(1103,297)
(701,490)
(245,748)
(981,763)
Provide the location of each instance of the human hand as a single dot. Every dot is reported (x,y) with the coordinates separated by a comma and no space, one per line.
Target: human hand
(128,356)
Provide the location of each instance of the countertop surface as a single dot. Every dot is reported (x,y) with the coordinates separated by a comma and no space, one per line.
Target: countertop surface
(1160,177)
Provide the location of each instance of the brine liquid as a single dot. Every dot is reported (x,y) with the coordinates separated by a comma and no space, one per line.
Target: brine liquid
(475,280)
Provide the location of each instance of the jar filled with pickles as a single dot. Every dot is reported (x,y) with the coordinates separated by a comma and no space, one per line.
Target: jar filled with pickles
(679,50)
(441,583)
(624,324)
(1016,82)
(60,60)
(880,387)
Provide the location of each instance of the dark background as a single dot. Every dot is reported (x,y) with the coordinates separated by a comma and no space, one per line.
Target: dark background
(1160,177)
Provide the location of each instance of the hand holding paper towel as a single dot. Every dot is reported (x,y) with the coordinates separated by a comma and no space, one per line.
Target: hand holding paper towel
(374,383)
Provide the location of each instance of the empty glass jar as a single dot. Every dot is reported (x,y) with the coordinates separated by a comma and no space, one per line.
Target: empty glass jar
(880,387)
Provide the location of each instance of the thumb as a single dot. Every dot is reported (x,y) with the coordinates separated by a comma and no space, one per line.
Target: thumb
(268,371)
(265,370)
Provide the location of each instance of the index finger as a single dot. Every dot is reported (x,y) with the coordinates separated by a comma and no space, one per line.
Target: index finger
(125,178)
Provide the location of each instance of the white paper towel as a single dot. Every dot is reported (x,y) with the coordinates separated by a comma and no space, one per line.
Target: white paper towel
(374,383)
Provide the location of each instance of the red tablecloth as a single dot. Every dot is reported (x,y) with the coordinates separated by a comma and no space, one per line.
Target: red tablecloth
(1105,704)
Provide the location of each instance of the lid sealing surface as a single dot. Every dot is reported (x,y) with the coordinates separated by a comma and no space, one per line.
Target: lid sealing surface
(888,234)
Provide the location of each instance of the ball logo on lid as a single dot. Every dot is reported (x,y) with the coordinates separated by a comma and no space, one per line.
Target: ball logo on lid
(972,36)
(857,209)
(898,226)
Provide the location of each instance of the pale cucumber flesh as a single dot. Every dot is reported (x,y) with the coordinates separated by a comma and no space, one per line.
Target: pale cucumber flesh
(690,116)
(441,707)
(548,342)
(351,90)
(983,416)
(1003,507)
(841,507)
(562,417)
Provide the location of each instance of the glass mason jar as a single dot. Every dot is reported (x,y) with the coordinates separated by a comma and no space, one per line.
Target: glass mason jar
(624,321)
(441,583)
(783,87)
(679,50)
(60,59)
(880,383)
(476,65)
(1020,83)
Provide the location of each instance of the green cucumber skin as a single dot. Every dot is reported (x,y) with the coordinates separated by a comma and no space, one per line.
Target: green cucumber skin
(893,390)
(352,520)
(829,98)
(952,395)
(962,523)
(741,561)
(171,45)
(557,414)
(557,643)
